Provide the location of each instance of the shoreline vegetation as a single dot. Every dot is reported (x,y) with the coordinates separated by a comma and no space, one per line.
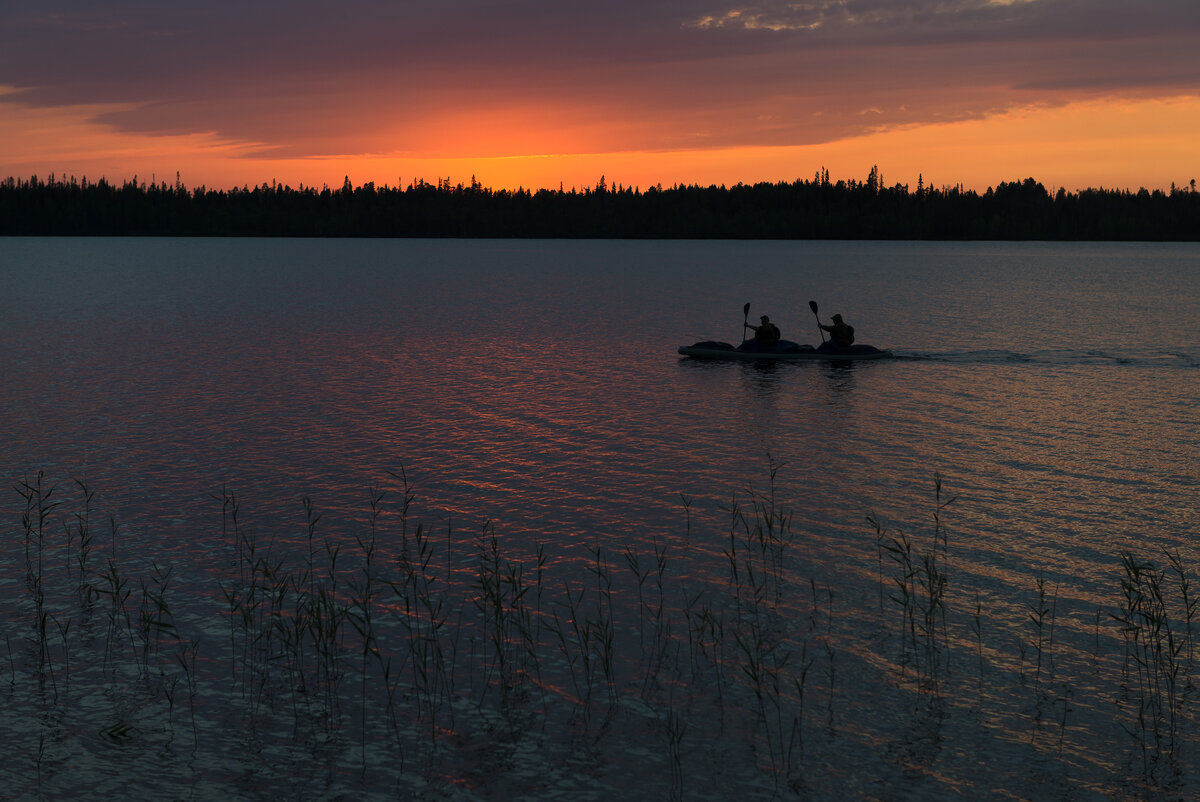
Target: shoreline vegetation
(816,208)
(370,663)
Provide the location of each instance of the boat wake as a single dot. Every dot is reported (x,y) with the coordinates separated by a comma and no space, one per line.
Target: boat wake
(1172,358)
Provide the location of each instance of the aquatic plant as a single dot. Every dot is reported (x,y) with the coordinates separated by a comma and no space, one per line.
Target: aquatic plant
(377,644)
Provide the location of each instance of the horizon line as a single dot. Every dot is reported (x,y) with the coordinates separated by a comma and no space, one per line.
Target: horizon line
(821,175)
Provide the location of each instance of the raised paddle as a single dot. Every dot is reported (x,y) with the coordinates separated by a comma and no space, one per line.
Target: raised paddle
(813,306)
(746,321)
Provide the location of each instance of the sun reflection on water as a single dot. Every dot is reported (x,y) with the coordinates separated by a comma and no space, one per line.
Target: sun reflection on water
(630,604)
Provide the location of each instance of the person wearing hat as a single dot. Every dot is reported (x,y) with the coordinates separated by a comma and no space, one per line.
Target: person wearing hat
(766,334)
(841,334)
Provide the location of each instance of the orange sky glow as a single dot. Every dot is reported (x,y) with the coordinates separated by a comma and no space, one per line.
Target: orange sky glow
(970,92)
(1129,144)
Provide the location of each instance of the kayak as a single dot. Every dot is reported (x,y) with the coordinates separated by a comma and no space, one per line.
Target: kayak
(784,351)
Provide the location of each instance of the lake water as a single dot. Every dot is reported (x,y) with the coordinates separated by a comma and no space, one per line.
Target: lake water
(636,575)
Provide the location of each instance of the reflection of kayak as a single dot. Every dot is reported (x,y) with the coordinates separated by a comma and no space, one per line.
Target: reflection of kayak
(784,351)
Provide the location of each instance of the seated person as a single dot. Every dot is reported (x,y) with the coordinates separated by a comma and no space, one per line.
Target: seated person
(766,335)
(841,334)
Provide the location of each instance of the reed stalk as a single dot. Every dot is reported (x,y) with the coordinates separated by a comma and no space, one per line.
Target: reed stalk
(370,630)
(1038,610)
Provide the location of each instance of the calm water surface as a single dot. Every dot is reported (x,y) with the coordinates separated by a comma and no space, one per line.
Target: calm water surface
(531,391)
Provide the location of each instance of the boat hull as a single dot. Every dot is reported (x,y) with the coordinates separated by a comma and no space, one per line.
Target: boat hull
(854,353)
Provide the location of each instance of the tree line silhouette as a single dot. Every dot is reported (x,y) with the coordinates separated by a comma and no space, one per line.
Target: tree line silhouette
(804,209)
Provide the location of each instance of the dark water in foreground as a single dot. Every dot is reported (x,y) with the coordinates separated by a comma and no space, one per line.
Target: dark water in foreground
(626,632)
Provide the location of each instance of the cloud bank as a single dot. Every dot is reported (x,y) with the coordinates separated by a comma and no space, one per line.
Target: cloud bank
(485,78)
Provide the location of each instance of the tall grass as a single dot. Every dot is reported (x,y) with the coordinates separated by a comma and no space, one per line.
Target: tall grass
(379,641)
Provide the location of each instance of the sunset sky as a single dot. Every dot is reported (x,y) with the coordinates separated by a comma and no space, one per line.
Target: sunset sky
(535,93)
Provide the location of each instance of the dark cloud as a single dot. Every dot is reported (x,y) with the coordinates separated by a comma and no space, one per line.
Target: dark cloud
(914,22)
(306,77)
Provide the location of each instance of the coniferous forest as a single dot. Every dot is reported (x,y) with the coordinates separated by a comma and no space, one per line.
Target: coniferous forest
(803,209)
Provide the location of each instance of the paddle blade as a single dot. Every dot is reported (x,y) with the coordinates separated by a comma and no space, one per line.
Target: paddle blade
(746,308)
(813,306)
